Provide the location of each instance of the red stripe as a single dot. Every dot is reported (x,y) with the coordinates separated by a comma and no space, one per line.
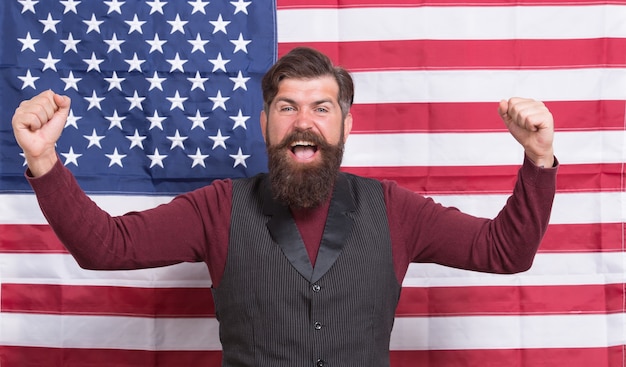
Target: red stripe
(480,117)
(312,4)
(570,357)
(536,357)
(57,357)
(28,238)
(588,237)
(502,300)
(472,54)
(493,179)
(414,301)
(107,300)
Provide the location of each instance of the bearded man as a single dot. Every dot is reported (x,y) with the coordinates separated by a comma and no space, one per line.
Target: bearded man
(306,262)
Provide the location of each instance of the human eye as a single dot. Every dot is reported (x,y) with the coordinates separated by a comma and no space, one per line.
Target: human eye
(285,107)
(322,108)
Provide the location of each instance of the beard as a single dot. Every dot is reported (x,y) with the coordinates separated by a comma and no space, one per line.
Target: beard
(303,185)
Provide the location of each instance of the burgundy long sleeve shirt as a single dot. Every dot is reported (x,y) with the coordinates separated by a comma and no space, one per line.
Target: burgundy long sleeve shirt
(195,227)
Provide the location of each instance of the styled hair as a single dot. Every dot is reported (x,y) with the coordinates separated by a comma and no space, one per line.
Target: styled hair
(307,63)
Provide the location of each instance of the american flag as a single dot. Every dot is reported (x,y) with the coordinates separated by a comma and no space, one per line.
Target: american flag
(428,78)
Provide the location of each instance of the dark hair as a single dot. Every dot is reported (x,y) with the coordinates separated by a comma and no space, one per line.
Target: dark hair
(307,63)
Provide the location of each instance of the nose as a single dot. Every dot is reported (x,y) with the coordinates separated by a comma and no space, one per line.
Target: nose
(304,120)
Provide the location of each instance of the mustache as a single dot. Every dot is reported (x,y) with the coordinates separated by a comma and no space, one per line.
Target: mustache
(301,135)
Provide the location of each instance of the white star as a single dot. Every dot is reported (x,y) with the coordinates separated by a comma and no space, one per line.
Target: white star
(115,120)
(177,140)
(155,82)
(93,24)
(177,101)
(49,62)
(70,43)
(156,44)
(240,6)
(198,44)
(70,5)
(93,63)
(135,25)
(240,120)
(156,159)
(114,6)
(198,120)
(177,25)
(136,140)
(116,158)
(155,121)
(219,140)
(239,158)
(219,101)
(177,63)
(28,42)
(219,24)
(29,80)
(114,44)
(49,24)
(157,6)
(28,5)
(240,81)
(134,63)
(94,101)
(219,63)
(197,81)
(71,157)
(72,120)
(135,101)
(71,81)
(198,158)
(198,6)
(114,81)
(240,44)
(94,139)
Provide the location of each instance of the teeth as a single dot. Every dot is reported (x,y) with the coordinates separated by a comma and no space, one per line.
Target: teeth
(304,143)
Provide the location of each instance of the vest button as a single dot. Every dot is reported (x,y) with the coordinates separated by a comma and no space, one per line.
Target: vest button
(320,363)
(318,326)
(316,287)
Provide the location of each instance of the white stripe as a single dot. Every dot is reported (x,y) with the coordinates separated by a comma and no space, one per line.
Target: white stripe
(23,208)
(409,333)
(409,86)
(135,333)
(453,22)
(569,208)
(508,332)
(548,269)
(476,149)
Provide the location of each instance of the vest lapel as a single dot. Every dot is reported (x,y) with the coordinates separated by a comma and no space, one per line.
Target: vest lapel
(284,231)
(338,226)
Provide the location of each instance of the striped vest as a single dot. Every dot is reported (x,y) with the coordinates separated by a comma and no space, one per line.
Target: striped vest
(276,309)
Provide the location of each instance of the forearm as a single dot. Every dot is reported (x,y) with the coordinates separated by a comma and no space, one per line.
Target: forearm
(518,229)
(430,232)
(99,241)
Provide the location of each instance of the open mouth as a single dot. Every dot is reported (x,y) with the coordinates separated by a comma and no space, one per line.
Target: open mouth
(303,150)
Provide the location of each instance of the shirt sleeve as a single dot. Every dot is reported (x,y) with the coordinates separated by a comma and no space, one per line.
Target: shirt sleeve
(192,227)
(425,231)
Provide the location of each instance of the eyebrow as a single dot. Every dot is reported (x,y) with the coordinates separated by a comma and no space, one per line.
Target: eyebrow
(315,103)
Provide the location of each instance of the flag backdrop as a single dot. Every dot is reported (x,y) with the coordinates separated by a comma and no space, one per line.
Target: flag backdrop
(165,98)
